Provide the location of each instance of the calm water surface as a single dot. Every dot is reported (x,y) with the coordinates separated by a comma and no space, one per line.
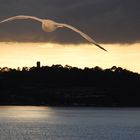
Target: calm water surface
(69,123)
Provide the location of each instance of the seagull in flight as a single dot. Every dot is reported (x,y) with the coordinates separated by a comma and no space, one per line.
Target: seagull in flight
(50,26)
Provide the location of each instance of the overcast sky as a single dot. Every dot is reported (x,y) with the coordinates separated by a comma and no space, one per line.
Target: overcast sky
(106,21)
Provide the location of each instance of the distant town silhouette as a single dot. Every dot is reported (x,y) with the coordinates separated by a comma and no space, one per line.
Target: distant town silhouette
(69,86)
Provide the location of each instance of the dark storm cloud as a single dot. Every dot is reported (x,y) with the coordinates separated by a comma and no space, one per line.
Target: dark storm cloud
(107,21)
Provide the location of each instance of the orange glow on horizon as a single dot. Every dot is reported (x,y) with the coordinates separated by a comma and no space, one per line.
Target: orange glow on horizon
(15,55)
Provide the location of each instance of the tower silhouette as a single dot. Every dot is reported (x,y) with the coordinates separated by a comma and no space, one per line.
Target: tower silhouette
(38,64)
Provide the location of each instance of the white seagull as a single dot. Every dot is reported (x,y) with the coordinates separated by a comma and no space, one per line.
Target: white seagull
(50,26)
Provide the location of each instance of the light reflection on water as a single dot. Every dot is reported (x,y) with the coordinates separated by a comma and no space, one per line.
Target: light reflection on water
(69,123)
(24,112)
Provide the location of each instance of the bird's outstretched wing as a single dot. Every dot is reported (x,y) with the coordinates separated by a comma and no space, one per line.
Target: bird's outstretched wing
(21,17)
(83,35)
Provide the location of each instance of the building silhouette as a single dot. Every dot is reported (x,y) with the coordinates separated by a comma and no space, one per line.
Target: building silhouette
(38,64)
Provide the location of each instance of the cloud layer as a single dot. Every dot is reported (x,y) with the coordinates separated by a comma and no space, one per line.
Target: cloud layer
(106,21)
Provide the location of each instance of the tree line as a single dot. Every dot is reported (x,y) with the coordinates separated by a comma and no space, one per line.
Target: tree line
(58,85)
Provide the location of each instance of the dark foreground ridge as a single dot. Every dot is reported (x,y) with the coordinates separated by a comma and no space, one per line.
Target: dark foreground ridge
(69,86)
